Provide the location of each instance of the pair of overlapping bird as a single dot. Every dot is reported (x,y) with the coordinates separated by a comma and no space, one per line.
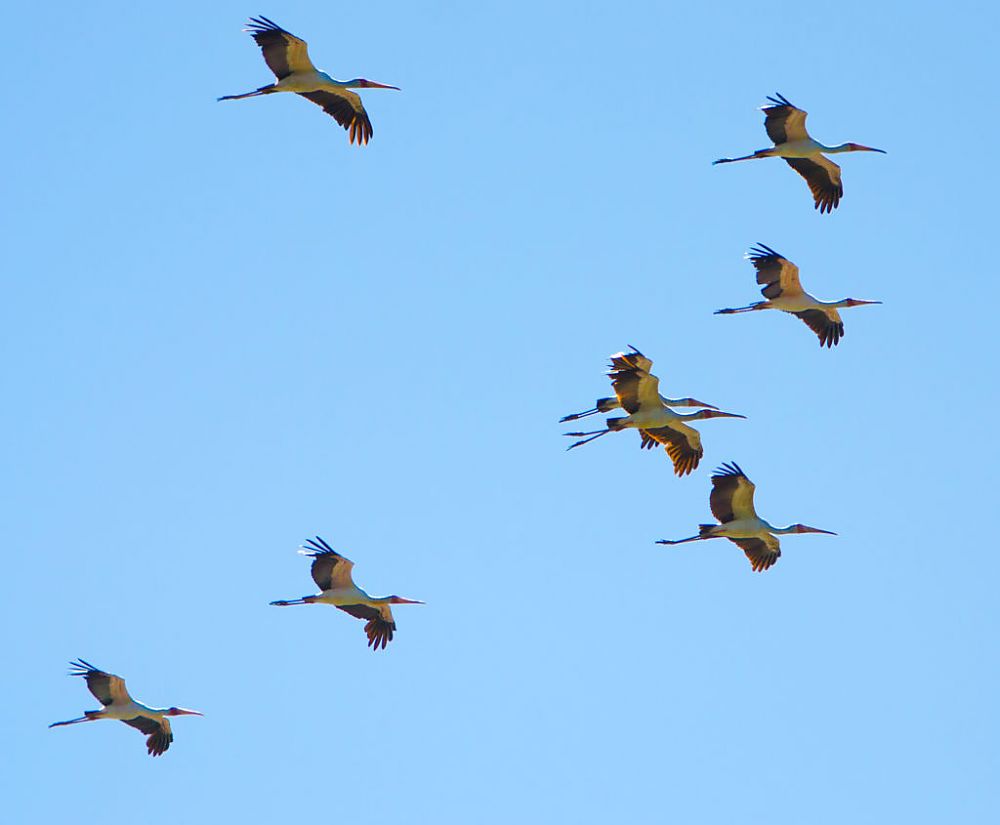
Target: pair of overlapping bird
(636,388)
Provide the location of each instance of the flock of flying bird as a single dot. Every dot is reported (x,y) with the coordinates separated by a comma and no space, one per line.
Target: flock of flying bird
(636,389)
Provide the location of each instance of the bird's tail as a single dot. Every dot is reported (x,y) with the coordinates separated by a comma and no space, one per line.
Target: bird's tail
(263,90)
(705,529)
(616,424)
(287,602)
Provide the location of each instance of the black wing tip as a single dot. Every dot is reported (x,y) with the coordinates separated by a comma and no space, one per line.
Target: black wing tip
(318,547)
(761,251)
(263,24)
(780,100)
(729,469)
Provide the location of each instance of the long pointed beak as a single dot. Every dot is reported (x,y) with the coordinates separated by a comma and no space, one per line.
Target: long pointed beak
(817,530)
(864,303)
(871,149)
(371,84)
(401,600)
(715,413)
(694,402)
(186,712)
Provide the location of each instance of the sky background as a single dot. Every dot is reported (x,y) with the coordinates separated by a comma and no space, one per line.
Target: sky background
(227,330)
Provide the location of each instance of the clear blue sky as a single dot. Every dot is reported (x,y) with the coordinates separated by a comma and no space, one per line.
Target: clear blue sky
(227,330)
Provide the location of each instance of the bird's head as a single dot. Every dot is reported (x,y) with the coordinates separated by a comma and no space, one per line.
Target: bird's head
(362,83)
(857,302)
(805,528)
(182,712)
(857,147)
(401,600)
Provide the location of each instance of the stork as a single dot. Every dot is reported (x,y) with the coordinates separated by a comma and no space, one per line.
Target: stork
(731,501)
(783,291)
(288,57)
(111,692)
(332,574)
(606,405)
(786,126)
(637,391)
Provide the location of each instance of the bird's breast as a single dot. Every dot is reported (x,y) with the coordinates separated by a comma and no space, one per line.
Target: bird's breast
(797,149)
(304,82)
(742,529)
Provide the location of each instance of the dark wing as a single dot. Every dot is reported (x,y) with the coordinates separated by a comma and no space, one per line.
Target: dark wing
(330,570)
(762,553)
(779,275)
(380,624)
(783,121)
(634,388)
(633,359)
(823,177)
(830,330)
(284,53)
(732,494)
(107,687)
(159,735)
(682,443)
(344,107)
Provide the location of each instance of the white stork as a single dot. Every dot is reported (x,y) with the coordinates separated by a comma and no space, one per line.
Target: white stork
(288,57)
(332,574)
(606,405)
(111,692)
(732,504)
(638,393)
(783,291)
(786,126)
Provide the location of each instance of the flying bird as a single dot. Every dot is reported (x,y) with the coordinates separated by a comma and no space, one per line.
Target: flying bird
(731,501)
(288,57)
(786,126)
(783,291)
(606,405)
(111,692)
(332,574)
(638,393)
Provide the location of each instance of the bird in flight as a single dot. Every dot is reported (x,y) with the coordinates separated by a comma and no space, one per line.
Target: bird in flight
(731,502)
(332,574)
(606,405)
(786,126)
(783,291)
(288,57)
(111,692)
(638,394)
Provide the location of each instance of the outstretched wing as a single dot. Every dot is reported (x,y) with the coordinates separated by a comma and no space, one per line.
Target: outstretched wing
(330,570)
(784,121)
(825,323)
(682,443)
(108,688)
(284,53)
(779,275)
(823,177)
(380,624)
(633,359)
(732,494)
(344,107)
(762,552)
(159,735)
